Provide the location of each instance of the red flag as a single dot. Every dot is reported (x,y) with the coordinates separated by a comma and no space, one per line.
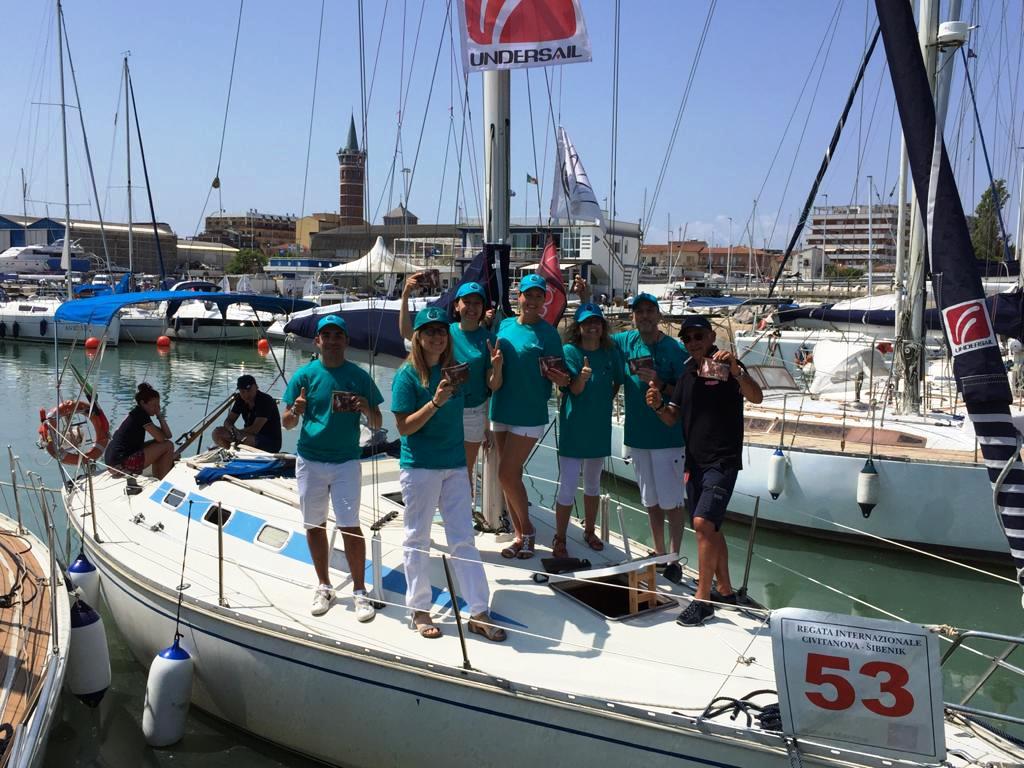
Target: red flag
(555,300)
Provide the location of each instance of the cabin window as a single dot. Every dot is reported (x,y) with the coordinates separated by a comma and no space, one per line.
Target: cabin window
(174,498)
(272,537)
(217,511)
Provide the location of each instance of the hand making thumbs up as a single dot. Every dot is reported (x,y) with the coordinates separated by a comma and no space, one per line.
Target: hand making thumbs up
(299,406)
(653,395)
(586,371)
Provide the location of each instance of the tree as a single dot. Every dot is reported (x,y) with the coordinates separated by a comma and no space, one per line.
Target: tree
(247,261)
(986,234)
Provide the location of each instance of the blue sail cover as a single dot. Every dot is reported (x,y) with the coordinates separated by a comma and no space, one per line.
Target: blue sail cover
(956,283)
(371,325)
(101,309)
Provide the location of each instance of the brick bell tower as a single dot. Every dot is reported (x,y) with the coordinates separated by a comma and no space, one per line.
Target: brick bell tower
(352,175)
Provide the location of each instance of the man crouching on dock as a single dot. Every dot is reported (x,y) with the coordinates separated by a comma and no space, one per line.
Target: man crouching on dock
(328,395)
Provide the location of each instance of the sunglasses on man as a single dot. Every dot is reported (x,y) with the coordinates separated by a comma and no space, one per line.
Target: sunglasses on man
(691,336)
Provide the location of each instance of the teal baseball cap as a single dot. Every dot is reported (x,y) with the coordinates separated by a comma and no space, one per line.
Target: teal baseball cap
(644,297)
(429,315)
(532,280)
(334,320)
(468,289)
(587,311)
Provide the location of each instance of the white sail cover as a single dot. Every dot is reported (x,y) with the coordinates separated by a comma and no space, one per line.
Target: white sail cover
(225,284)
(572,197)
(509,34)
(244,285)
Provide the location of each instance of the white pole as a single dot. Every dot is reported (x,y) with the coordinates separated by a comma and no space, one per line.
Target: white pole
(824,235)
(728,263)
(65,261)
(871,239)
(1020,218)
(128,153)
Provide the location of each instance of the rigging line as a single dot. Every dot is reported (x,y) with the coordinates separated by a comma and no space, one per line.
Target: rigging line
(113,142)
(145,176)
(823,167)
(803,130)
(430,93)
(533,139)
(224,124)
(312,110)
(614,160)
(380,39)
(984,149)
(444,165)
(412,61)
(474,161)
(793,112)
(649,214)
(363,118)
(85,141)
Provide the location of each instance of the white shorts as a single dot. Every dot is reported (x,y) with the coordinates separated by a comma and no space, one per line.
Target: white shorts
(569,477)
(474,423)
(534,432)
(659,473)
(319,481)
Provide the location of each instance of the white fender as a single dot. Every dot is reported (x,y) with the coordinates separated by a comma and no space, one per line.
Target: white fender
(776,473)
(86,578)
(868,488)
(168,692)
(88,675)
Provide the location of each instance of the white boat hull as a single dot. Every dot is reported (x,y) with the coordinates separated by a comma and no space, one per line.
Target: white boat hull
(40,327)
(937,504)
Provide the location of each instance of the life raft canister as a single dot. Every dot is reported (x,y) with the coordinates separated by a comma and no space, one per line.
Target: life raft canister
(58,426)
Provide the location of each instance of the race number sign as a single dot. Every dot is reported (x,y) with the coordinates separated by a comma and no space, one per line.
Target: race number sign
(866,684)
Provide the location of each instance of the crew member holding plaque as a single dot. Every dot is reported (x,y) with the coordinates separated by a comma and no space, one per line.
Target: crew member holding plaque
(328,395)
(428,408)
(585,421)
(653,359)
(533,361)
(708,398)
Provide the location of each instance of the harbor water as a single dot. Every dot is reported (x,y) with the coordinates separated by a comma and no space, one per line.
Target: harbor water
(786,569)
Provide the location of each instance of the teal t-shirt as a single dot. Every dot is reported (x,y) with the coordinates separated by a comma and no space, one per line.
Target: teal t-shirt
(585,420)
(643,427)
(325,435)
(438,443)
(522,400)
(471,348)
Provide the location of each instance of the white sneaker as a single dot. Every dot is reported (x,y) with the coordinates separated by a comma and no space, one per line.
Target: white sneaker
(364,607)
(322,598)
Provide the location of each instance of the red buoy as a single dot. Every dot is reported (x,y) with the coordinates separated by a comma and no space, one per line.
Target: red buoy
(92,343)
(163,341)
(263,346)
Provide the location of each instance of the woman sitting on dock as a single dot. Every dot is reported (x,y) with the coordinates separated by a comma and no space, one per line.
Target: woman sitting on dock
(128,450)
(585,421)
(428,410)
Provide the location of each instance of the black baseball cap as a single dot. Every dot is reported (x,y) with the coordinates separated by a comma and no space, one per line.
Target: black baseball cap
(245,381)
(695,321)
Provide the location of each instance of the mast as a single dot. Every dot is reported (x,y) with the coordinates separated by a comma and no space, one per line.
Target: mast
(1020,220)
(128,158)
(871,241)
(65,259)
(497,142)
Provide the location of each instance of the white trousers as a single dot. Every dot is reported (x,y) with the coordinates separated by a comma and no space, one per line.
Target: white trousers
(569,477)
(424,491)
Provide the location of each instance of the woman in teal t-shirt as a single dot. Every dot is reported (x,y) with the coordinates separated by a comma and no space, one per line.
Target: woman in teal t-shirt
(428,412)
(519,410)
(585,421)
(473,343)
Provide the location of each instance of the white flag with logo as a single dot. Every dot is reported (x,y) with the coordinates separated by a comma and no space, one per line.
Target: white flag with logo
(509,34)
(572,197)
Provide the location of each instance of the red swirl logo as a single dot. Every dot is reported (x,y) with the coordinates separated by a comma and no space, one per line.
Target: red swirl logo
(967,322)
(490,22)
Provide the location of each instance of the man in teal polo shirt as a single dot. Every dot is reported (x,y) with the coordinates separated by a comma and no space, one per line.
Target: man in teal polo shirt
(329,395)
(653,359)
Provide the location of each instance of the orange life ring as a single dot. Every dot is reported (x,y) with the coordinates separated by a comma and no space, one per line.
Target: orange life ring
(78,444)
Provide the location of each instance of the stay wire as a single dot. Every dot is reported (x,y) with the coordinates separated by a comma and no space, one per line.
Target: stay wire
(224,125)
(312,110)
(430,93)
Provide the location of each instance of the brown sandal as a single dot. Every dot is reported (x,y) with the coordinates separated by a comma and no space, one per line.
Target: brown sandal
(481,624)
(558,548)
(512,550)
(425,626)
(593,541)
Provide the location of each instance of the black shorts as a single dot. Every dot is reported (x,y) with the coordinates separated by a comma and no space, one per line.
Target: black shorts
(708,491)
(268,444)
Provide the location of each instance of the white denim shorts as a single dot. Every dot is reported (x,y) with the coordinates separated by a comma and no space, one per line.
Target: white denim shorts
(474,423)
(659,473)
(320,482)
(535,432)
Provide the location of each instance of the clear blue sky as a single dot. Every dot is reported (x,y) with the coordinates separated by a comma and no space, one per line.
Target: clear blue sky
(757,58)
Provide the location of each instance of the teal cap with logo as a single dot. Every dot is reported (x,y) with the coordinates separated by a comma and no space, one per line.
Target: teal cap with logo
(334,320)
(468,289)
(429,315)
(532,281)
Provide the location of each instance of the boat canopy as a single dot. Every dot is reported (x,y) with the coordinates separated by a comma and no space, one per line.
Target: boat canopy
(101,309)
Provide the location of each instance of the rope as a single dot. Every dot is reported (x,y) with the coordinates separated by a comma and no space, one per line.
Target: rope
(312,110)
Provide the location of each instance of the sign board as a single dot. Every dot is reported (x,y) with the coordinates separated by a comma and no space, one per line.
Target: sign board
(865,684)
(509,34)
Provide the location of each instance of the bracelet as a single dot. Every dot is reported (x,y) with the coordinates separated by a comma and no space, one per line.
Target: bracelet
(660,407)
(436,406)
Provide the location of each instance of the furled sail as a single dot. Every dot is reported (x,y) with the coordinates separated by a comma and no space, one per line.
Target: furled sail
(956,283)
(572,197)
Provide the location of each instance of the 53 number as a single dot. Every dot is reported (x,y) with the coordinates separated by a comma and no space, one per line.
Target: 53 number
(896,678)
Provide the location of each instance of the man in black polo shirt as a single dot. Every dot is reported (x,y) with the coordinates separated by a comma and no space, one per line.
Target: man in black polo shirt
(709,399)
(261,422)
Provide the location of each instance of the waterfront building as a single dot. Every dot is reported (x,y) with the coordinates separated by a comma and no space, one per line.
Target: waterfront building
(845,232)
(266,232)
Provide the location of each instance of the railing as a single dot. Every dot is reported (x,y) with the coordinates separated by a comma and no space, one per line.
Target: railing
(997,662)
